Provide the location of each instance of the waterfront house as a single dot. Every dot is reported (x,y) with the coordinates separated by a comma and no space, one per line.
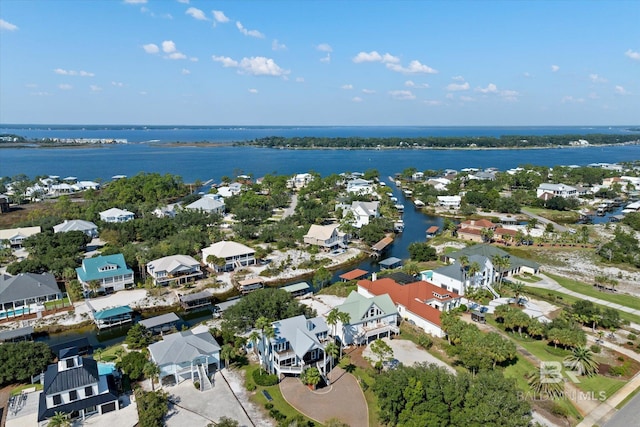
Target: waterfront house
(235,255)
(298,343)
(15,236)
(74,385)
(450,202)
(474,229)
(439,184)
(111,317)
(363,212)
(300,180)
(360,186)
(556,190)
(187,355)
(85,185)
(174,269)
(209,203)
(116,215)
(230,190)
(453,277)
(370,318)
(109,273)
(517,265)
(87,227)
(327,237)
(420,303)
(25,292)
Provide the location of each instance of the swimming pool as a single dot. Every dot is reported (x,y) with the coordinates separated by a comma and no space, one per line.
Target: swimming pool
(106,368)
(12,313)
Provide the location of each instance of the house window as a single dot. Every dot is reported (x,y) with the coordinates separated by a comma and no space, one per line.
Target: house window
(57,399)
(70,363)
(88,391)
(73,395)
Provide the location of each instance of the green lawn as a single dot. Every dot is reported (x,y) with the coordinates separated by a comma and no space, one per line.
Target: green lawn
(110,354)
(18,390)
(598,383)
(51,305)
(573,285)
(528,278)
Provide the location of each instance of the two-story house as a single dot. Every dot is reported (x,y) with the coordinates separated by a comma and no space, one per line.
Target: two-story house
(369,319)
(548,190)
(363,212)
(174,269)
(109,271)
(75,386)
(298,343)
(209,203)
(234,255)
(327,237)
(116,215)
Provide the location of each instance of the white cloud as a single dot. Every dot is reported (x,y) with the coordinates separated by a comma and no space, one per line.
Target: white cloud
(356,99)
(225,61)
(261,66)
(411,83)
(253,90)
(117,84)
(65,86)
(95,88)
(458,78)
(368,91)
(510,95)
(196,13)
(151,48)
(491,88)
(250,33)
(275,45)
(135,1)
(633,54)
(432,102)
(324,47)
(374,56)
(183,1)
(40,94)
(7,26)
(346,87)
(326,58)
(80,73)
(555,68)
(595,78)
(466,99)
(414,67)
(402,94)
(194,59)
(176,55)
(219,16)
(621,90)
(571,100)
(185,72)
(299,79)
(458,86)
(168,46)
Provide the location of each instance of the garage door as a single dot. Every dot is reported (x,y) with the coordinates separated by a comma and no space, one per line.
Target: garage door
(108,407)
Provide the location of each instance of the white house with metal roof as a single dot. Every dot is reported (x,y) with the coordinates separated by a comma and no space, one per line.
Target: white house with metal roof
(326,236)
(187,355)
(110,271)
(15,236)
(87,227)
(23,293)
(369,319)
(556,190)
(363,212)
(209,203)
(174,269)
(116,215)
(234,255)
(298,344)
(360,186)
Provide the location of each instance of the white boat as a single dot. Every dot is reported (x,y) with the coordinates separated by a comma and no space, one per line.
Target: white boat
(418,203)
(399,206)
(408,193)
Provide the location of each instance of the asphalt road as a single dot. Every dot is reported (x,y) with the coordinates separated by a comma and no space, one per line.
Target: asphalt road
(628,415)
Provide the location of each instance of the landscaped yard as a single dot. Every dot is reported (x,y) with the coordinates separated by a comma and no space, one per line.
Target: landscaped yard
(61,303)
(585,289)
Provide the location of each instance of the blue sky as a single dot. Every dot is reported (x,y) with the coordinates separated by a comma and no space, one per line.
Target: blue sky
(429,63)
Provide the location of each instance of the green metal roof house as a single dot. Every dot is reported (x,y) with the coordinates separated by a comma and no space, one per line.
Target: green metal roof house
(110,271)
(370,318)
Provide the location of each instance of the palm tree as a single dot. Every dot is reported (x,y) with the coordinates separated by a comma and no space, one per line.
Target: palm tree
(464,263)
(254,336)
(267,332)
(517,288)
(151,371)
(311,376)
(59,419)
(344,318)
(97,354)
(94,286)
(331,350)
(227,352)
(501,264)
(332,320)
(551,384)
(583,361)
(474,269)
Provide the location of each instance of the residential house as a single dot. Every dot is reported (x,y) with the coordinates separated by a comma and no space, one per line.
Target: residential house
(23,293)
(298,343)
(187,355)
(116,215)
(209,203)
(451,202)
(360,186)
(109,271)
(517,265)
(174,269)
(300,180)
(487,175)
(327,237)
(86,185)
(420,303)
(234,255)
(87,227)
(370,318)
(454,278)
(230,190)
(75,386)
(474,229)
(168,211)
(363,212)
(15,236)
(439,184)
(417,176)
(548,190)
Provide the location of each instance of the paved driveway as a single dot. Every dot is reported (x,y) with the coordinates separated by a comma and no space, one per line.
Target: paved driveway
(408,354)
(343,399)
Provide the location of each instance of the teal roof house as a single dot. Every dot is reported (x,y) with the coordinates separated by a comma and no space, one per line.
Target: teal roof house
(369,319)
(110,272)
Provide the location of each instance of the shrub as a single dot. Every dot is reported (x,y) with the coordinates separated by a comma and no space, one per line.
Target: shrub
(617,371)
(277,415)
(620,359)
(463,308)
(268,406)
(596,348)
(425,342)
(559,410)
(250,386)
(264,379)
(196,384)
(632,337)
